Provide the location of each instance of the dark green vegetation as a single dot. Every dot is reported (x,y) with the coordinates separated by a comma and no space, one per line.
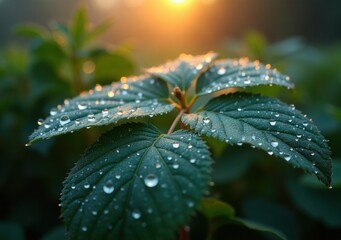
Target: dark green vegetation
(140,181)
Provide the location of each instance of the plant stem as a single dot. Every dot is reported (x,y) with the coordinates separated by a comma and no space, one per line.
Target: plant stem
(176,120)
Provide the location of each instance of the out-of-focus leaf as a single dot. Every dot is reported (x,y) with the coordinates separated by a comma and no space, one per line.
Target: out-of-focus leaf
(30,30)
(232,164)
(11,231)
(49,51)
(128,100)
(97,31)
(259,227)
(136,183)
(78,28)
(272,214)
(112,66)
(256,44)
(336,112)
(213,208)
(183,71)
(268,124)
(58,233)
(320,204)
(220,213)
(232,73)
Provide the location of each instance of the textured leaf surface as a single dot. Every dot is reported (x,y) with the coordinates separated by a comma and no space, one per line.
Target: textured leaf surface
(231,73)
(129,99)
(136,183)
(267,124)
(184,70)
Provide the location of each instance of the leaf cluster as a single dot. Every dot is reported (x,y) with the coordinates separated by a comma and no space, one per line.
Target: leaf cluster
(139,183)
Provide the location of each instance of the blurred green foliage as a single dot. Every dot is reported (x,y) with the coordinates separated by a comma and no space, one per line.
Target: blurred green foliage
(53,65)
(58,62)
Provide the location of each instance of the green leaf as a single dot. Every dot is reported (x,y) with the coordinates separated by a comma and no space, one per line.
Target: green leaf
(309,181)
(213,208)
(281,218)
(267,124)
(183,71)
(78,27)
(259,227)
(30,30)
(131,98)
(136,183)
(98,30)
(220,213)
(319,204)
(232,73)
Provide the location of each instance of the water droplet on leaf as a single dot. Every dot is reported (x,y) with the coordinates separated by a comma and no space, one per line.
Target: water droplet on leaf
(108,187)
(151,180)
(176,145)
(274,143)
(64,120)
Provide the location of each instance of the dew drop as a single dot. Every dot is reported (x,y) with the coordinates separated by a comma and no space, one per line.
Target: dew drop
(248,81)
(108,187)
(64,120)
(46,125)
(192,160)
(305,124)
(206,120)
(287,157)
(274,143)
(40,121)
(86,186)
(94,213)
(118,176)
(91,118)
(84,229)
(53,111)
(175,165)
(82,106)
(272,123)
(151,180)
(176,145)
(105,112)
(136,214)
(221,71)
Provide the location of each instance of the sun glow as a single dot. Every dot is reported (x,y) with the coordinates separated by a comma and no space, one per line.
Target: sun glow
(178,1)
